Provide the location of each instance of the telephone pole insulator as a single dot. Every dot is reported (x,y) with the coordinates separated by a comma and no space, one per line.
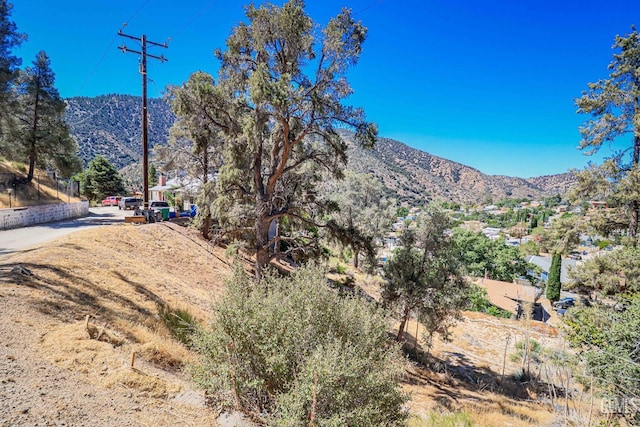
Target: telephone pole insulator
(143,70)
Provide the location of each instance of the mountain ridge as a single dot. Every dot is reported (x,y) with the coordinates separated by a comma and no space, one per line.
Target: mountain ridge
(110,125)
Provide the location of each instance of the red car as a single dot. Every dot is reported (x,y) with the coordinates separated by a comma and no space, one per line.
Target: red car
(111,201)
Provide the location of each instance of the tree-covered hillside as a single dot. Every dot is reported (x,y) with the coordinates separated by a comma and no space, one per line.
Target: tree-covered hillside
(110,125)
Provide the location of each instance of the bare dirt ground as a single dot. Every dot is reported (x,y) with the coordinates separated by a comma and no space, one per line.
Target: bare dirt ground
(57,369)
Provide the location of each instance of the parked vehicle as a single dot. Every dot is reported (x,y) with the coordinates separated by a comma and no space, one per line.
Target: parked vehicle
(111,201)
(154,204)
(564,303)
(129,203)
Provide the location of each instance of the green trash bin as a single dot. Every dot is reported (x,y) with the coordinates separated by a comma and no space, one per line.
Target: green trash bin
(164,211)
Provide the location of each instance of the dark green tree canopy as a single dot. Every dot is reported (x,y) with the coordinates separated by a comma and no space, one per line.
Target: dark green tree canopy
(10,38)
(101,179)
(483,256)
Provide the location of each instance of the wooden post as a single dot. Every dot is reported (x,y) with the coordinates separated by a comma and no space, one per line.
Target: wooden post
(504,359)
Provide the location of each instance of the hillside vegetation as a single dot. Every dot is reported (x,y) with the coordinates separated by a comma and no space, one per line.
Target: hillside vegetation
(110,125)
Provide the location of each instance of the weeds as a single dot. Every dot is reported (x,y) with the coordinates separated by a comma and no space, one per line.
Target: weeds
(180,322)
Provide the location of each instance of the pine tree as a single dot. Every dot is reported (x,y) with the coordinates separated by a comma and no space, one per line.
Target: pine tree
(425,276)
(42,132)
(101,179)
(614,104)
(192,104)
(10,39)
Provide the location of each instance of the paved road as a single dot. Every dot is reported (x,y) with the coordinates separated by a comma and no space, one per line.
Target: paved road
(20,239)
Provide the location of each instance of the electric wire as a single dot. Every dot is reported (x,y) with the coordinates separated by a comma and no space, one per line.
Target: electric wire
(109,46)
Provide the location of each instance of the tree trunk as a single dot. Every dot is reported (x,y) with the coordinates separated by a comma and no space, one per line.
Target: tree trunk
(356,252)
(262,246)
(633,221)
(34,129)
(403,323)
(206,224)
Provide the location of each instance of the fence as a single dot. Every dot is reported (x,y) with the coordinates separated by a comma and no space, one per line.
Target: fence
(15,189)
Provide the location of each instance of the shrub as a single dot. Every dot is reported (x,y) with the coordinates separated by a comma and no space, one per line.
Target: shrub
(291,347)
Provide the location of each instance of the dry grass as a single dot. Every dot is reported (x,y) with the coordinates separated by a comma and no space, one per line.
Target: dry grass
(118,276)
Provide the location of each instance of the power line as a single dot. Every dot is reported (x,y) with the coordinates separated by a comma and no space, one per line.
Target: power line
(104,54)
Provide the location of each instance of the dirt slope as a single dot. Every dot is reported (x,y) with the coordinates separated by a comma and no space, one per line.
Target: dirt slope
(54,370)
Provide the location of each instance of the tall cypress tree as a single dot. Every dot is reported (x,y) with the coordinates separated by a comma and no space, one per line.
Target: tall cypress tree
(553,281)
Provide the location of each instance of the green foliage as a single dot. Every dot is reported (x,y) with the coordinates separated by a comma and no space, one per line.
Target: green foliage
(613,104)
(481,255)
(529,247)
(179,321)
(610,273)
(402,211)
(341,269)
(361,215)
(152,174)
(607,340)
(277,108)
(554,285)
(602,244)
(450,206)
(498,312)
(42,134)
(10,39)
(425,276)
(552,201)
(272,347)
(511,203)
(479,301)
(100,179)
(532,347)
(437,419)
(194,145)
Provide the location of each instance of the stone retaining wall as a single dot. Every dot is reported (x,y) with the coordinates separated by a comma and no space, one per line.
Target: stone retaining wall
(32,215)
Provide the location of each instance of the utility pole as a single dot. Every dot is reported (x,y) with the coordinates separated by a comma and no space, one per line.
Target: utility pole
(143,70)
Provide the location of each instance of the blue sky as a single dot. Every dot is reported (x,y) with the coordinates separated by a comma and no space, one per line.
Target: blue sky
(488,84)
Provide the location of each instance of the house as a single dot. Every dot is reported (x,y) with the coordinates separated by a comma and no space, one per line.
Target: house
(181,186)
(545,264)
(491,232)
